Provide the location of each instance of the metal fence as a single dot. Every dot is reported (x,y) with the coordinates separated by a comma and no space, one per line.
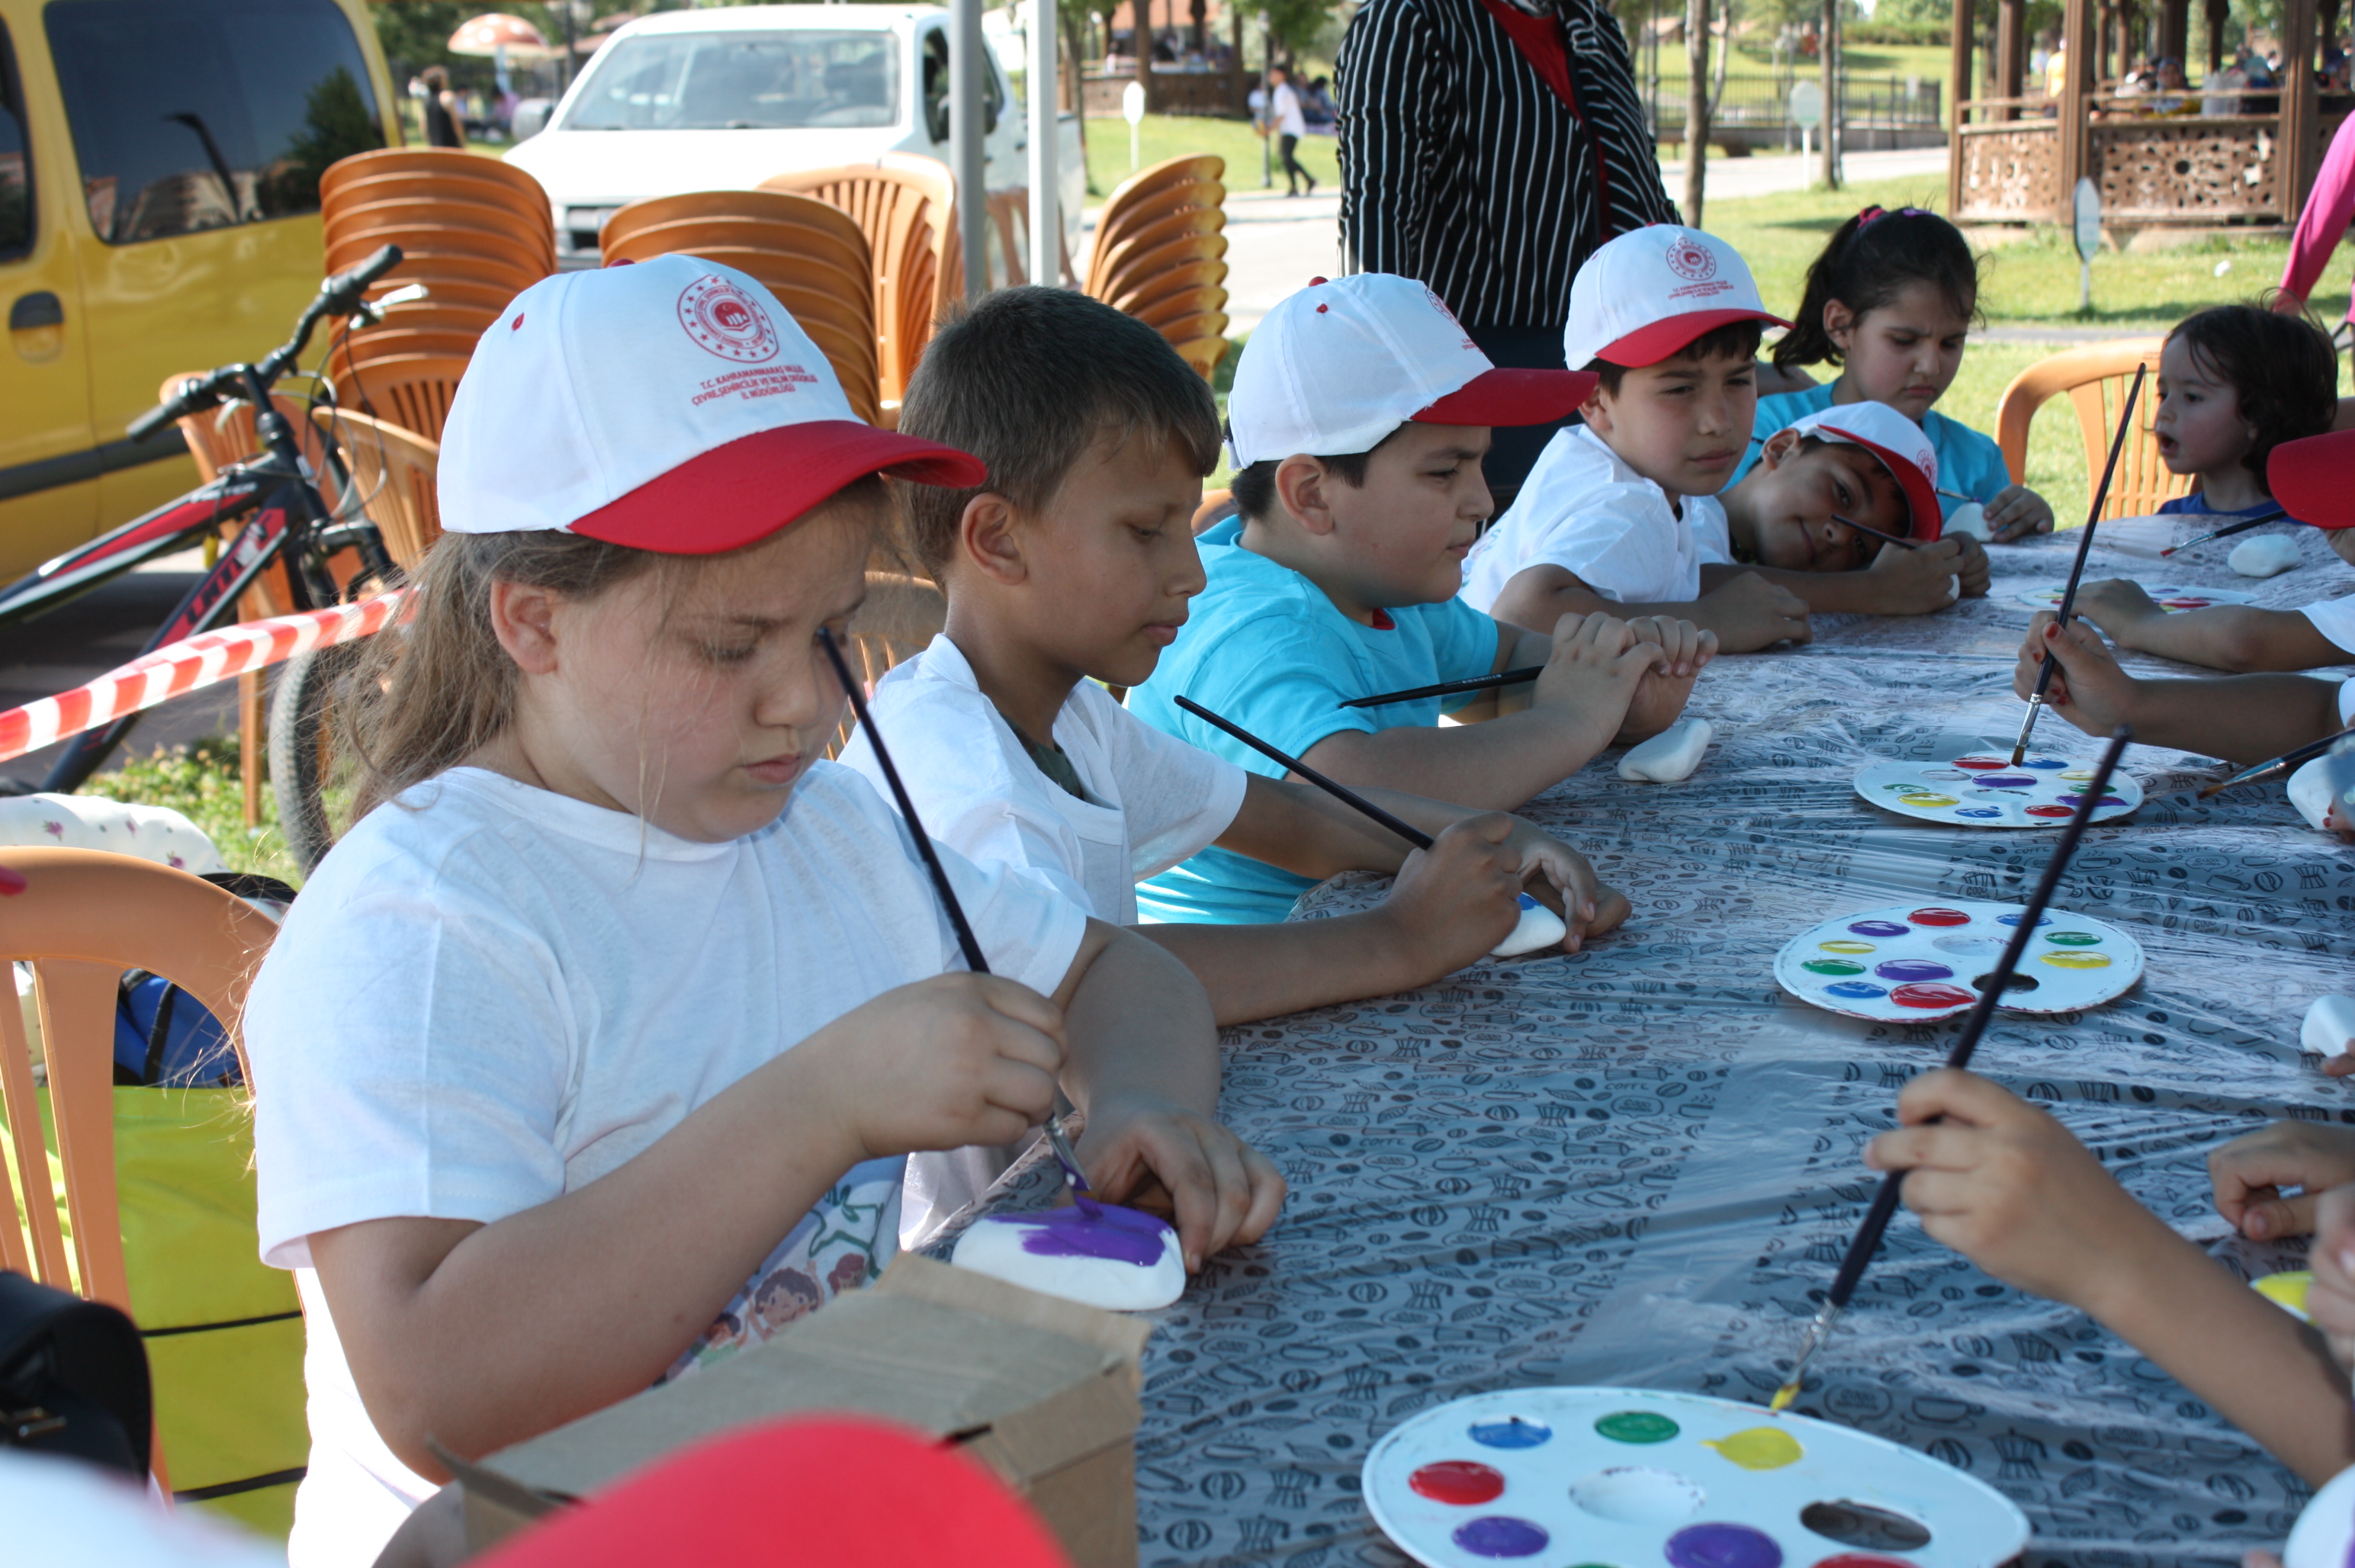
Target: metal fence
(1756,104)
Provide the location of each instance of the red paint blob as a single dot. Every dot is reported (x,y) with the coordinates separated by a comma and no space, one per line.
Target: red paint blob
(1463,1482)
(1931,997)
(1981,764)
(2050,811)
(1939,917)
(1860,1560)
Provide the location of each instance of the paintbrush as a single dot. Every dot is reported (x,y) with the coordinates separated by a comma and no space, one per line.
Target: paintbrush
(1340,792)
(1991,986)
(1057,1138)
(1445,689)
(1876,533)
(2284,764)
(1958,496)
(2077,572)
(2228,530)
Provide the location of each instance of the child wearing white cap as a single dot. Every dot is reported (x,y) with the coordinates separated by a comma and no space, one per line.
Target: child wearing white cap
(1621,513)
(620,1010)
(1359,415)
(1817,514)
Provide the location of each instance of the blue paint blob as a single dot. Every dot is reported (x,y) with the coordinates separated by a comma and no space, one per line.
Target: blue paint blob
(1910,969)
(2044,763)
(1878,928)
(1982,813)
(1513,1432)
(1855,990)
(1502,1535)
(2013,918)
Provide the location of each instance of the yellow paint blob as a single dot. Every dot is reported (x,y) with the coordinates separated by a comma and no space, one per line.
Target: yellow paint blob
(1927,800)
(2076,960)
(2286,1291)
(1759,1447)
(1783,1397)
(1845,947)
(2078,775)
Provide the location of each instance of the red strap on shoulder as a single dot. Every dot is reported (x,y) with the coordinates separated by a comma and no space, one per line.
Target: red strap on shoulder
(1541,42)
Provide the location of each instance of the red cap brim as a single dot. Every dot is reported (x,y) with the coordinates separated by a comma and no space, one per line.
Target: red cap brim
(2308,477)
(1650,345)
(1513,397)
(1920,495)
(739,493)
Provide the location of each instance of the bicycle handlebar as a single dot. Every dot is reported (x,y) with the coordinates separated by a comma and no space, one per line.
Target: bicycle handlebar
(339,296)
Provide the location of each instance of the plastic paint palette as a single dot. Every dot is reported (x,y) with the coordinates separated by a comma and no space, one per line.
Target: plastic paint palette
(2172,597)
(1914,962)
(1987,791)
(1599,1477)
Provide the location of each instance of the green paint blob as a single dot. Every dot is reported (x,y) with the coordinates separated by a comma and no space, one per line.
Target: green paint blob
(1832,967)
(1636,1426)
(1759,1448)
(2074,938)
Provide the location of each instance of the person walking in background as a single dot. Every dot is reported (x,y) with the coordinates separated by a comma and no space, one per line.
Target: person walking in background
(1487,149)
(440,110)
(1283,114)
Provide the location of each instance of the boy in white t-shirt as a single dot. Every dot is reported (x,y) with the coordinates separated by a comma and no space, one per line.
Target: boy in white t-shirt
(1620,514)
(593,1050)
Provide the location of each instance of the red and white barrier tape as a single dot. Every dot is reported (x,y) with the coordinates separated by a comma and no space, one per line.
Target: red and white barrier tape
(190,664)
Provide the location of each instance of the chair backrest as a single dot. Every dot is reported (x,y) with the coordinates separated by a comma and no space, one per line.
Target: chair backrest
(1144,267)
(411,391)
(2095,377)
(352,246)
(909,216)
(1181,304)
(527,234)
(1170,197)
(390,342)
(445,163)
(392,472)
(901,615)
(1148,292)
(1143,197)
(1204,354)
(224,435)
(1156,230)
(84,917)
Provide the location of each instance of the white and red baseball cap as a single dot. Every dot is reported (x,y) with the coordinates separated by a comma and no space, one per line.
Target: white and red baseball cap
(1644,296)
(2308,477)
(671,405)
(1902,449)
(1338,367)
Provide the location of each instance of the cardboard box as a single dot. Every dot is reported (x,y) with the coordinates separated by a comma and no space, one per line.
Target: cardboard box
(1042,1391)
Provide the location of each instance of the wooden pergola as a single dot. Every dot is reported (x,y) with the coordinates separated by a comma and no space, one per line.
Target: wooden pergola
(2014,160)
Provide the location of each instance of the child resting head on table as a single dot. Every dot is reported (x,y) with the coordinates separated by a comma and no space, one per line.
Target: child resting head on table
(1072,564)
(1788,519)
(615,1016)
(2237,384)
(1621,513)
(1890,301)
(1358,420)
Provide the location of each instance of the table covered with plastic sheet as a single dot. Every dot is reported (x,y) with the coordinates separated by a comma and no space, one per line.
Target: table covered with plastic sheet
(1633,1166)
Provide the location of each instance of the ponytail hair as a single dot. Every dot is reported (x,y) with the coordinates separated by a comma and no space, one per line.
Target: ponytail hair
(1872,259)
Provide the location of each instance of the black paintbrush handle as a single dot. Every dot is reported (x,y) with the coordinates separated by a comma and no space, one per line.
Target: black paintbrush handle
(1340,792)
(1447,688)
(965,938)
(2093,513)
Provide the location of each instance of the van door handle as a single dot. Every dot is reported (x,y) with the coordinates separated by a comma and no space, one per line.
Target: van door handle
(31,311)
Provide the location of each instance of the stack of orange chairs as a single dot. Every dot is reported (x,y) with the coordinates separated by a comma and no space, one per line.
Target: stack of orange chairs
(476,231)
(813,258)
(906,206)
(1160,255)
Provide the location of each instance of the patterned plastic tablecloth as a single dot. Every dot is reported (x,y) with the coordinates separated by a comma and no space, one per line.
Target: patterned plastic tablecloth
(1632,1165)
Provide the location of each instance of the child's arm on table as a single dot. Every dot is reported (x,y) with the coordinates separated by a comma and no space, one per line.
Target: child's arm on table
(1593,667)
(1896,583)
(473,1334)
(1660,693)
(1745,611)
(2007,1186)
(2248,1174)
(2234,637)
(2241,718)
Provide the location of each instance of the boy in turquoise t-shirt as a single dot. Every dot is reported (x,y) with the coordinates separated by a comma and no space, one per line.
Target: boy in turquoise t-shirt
(1359,418)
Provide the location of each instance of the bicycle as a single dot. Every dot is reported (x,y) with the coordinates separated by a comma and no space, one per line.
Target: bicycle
(287,519)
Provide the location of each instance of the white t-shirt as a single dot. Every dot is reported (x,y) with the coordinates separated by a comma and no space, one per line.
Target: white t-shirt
(2335,619)
(1152,800)
(1585,511)
(490,995)
(1288,120)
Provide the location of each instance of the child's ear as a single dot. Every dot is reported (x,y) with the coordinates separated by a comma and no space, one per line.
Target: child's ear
(1300,485)
(1838,320)
(523,618)
(1779,448)
(990,539)
(1596,411)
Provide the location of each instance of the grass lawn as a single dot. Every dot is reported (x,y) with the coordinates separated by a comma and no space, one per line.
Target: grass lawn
(1164,136)
(202,782)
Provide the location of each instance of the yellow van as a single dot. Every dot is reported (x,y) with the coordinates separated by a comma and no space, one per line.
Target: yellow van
(159,195)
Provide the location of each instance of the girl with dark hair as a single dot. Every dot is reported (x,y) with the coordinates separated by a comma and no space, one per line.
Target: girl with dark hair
(1891,302)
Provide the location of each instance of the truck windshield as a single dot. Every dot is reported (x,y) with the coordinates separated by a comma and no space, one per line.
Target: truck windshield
(725,80)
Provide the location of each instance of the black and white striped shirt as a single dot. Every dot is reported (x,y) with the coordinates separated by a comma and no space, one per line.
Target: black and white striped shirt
(1462,168)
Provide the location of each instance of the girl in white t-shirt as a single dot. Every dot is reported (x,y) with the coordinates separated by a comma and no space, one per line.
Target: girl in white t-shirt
(593,1050)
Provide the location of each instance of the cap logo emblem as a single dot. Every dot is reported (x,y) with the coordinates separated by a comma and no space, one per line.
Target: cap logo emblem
(1690,259)
(726,321)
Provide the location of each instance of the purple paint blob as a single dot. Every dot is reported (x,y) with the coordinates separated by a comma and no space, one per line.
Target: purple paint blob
(1913,969)
(2105,800)
(1877,928)
(1501,1535)
(2007,781)
(1094,1231)
(1723,1546)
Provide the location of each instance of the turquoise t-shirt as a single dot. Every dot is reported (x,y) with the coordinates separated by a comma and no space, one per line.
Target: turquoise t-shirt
(1968,463)
(1265,648)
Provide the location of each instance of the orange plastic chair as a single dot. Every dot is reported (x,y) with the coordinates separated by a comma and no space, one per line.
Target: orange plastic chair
(439,162)
(2095,377)
(1177,307)
(1217,506)
(411,391)
(1152,201)
(355,246)
(83,917)
(392,342)
(478,300)
(1141,267)
(490,188)
(1204,354)
(1149,293)
(840,259)
(906,208)
(440,270)
(529,235)
(1141,237)
(899,618)
(392,472)
(1187,329)
(432,314)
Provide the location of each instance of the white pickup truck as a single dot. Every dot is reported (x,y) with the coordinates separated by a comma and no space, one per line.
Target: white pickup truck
(724,98)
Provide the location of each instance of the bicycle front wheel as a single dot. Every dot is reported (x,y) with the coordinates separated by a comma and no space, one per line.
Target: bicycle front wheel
(309,778)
